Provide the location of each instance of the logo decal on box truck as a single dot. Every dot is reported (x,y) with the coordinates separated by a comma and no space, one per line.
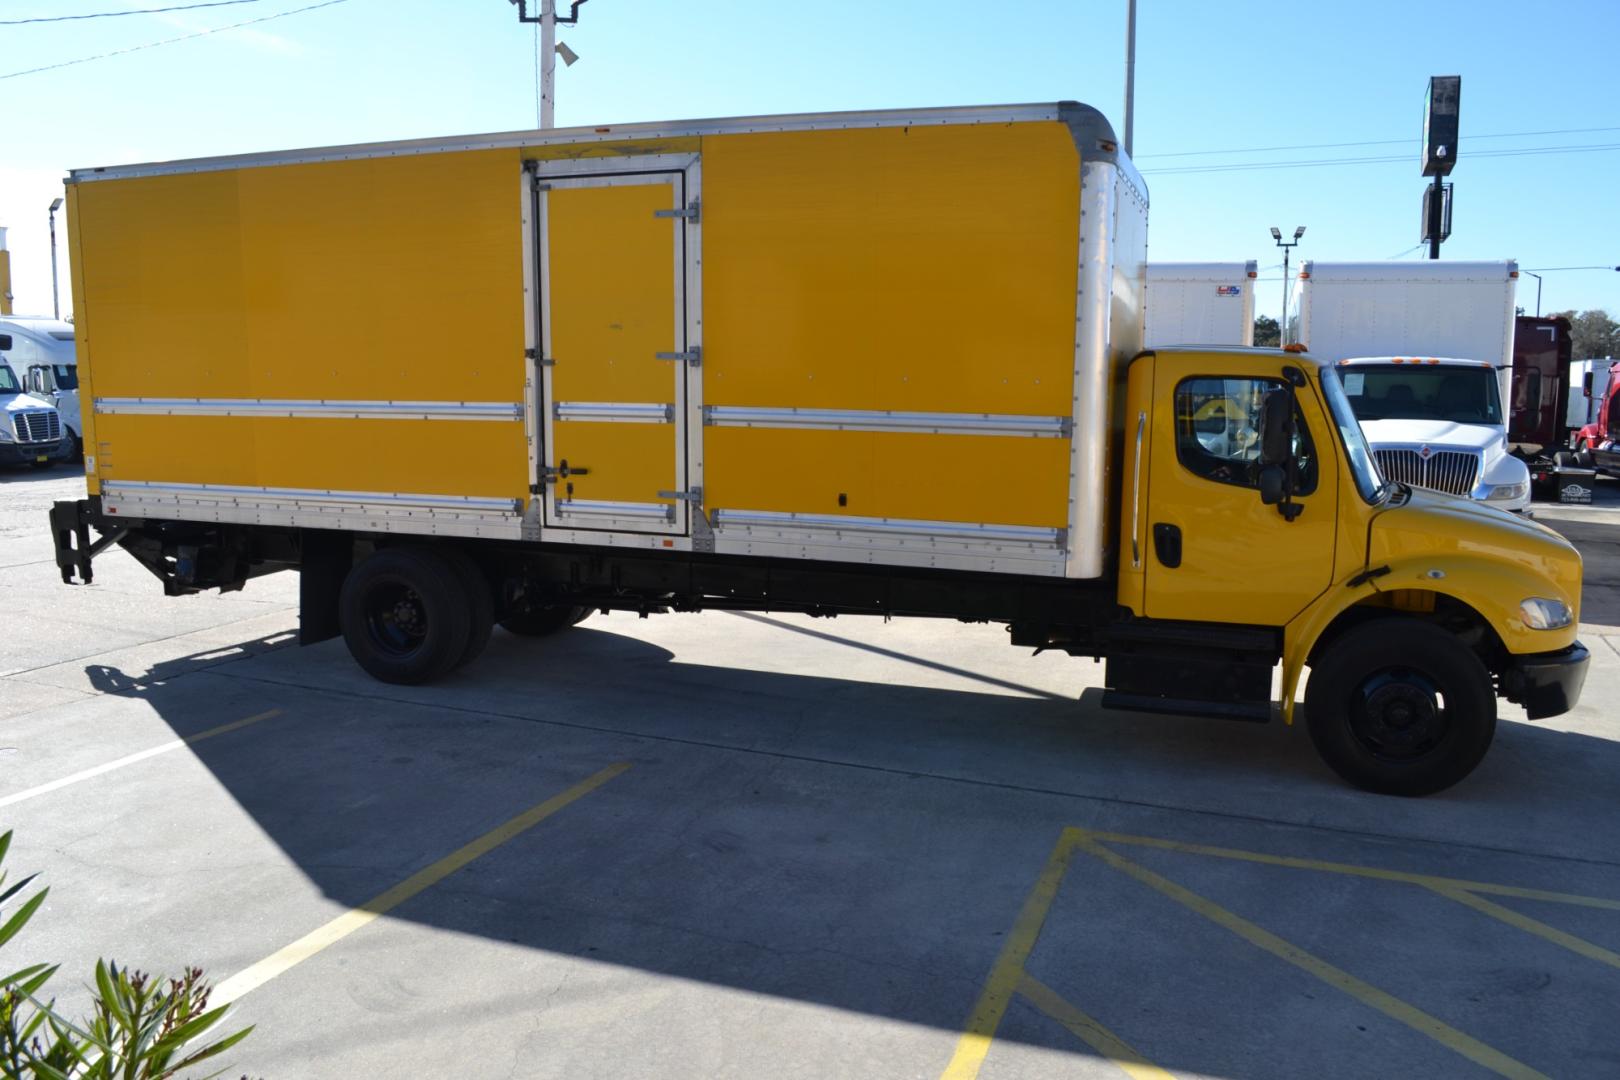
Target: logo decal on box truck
(1228,290)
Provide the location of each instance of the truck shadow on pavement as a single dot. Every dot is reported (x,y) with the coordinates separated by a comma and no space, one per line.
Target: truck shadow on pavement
(855,844)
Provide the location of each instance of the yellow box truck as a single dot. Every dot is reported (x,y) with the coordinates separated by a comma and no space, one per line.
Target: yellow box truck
(879,362)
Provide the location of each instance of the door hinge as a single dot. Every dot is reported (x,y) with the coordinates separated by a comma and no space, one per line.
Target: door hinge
(540,361)
(691,495)
(693,356)
(689,212)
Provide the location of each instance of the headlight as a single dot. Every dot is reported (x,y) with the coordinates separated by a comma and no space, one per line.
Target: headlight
(1506,492)
(1539,613)
(5,432)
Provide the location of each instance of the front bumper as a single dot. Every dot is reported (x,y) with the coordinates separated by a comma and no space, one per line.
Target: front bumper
(1546,684)
(28,453)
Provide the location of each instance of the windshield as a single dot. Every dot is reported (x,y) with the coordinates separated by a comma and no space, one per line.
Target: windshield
(8,381)
(67,376)
(1369,481)
(1461,395)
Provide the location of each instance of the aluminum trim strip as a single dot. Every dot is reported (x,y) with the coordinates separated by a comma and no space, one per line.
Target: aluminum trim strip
(316,408)
(237,494)
(1050,427)
(984,114)
(598,508)
(951,530)
(610,412)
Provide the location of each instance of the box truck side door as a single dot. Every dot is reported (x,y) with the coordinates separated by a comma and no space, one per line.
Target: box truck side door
(1213,551)
(616,363)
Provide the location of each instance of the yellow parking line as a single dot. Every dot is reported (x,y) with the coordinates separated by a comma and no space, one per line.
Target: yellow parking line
(1426,880)
(130,759)
(255,976)
(982,1022)
(1089,1031)
(1370,995)
(1532,926)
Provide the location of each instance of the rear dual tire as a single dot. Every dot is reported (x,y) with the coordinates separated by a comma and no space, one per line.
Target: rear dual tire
(1400,707)
(411,615)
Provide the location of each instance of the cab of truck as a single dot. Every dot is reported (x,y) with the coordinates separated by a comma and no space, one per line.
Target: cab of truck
(1438,423)
(1257,525)
(41,355)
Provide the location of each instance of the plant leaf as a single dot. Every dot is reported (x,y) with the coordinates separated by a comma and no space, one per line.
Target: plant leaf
(23,974)
(15,923)
(216,1048)
(17,888)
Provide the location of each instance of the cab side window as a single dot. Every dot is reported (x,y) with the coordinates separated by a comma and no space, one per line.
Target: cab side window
(1218,431)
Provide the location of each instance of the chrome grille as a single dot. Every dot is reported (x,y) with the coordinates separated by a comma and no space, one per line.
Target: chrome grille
(1451,471)
(37,426)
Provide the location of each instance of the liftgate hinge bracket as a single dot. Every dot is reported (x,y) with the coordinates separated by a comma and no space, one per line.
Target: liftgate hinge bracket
(689,212)
(693,356)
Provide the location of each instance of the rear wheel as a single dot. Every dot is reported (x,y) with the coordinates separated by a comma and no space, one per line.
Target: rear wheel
(1400,707)
(405,615)
(541,621)
(480,602)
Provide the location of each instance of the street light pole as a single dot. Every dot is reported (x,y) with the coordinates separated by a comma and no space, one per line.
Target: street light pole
(1537,276)
(1130,75)
(56,293)
(1287,246)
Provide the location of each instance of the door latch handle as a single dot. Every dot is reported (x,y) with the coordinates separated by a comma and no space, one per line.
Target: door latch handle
(693,356)
(1167,544)
(562,470)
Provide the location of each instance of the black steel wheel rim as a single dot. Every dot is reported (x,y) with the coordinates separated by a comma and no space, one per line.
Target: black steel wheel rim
(396,618)
(1398,714)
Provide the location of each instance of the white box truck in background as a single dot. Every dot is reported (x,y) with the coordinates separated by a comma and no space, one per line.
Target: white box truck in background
(1200,303)
(1427,355)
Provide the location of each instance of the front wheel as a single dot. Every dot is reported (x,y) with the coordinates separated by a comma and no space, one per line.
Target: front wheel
(1400,707)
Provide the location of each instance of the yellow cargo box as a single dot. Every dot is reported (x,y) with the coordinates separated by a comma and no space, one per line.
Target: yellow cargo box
(876,337)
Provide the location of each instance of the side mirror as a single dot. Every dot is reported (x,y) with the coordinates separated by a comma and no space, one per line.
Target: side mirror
(5,346)
(1273,484)
(1276,427)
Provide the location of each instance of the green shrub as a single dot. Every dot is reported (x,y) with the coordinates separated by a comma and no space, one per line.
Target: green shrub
(140,1028)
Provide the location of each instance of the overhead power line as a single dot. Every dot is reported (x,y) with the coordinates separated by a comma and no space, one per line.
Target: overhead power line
(131,11)
(1247,166)
(1372,142)
(173,40)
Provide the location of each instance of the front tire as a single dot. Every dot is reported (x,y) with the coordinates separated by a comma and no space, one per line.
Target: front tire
(1400,707)
(405,615)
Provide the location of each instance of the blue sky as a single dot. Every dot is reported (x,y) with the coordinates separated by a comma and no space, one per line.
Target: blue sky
(1236,77)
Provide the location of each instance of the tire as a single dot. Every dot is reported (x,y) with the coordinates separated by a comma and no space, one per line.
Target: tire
(1584,459)
(544,621)
(1563,460)
(1438,690)
(480,602)
(405,615)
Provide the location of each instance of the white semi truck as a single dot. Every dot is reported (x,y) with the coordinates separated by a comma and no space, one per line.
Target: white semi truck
(1200,303)
(39,350)
(1426,351)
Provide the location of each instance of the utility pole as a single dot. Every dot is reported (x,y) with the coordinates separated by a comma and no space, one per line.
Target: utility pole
(1130,75)
(550,49)
(56,293)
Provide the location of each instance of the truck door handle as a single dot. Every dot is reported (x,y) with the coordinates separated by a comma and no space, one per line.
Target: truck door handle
(1167,544)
